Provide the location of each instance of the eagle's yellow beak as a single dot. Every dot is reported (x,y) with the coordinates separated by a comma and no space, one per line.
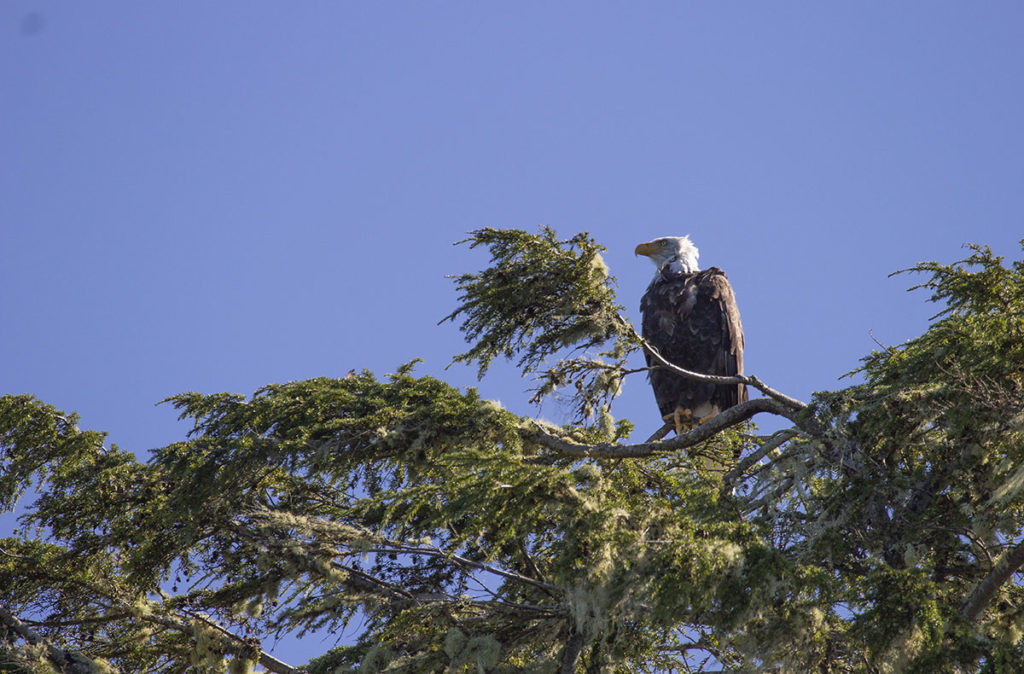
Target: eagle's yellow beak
(645,249)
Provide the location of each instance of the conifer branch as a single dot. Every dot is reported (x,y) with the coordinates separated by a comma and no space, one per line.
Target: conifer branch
(387,546)
(458,560)
(235,644)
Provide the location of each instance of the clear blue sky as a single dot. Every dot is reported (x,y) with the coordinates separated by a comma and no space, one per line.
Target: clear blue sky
(215,196)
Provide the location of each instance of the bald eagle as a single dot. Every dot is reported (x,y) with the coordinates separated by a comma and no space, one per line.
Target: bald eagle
(690,317)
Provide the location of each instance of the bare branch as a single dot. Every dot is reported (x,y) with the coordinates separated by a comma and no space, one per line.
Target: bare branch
(606,450)
(1008,564)
(662,432)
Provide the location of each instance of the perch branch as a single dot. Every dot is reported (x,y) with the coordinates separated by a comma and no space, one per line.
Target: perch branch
(606,450)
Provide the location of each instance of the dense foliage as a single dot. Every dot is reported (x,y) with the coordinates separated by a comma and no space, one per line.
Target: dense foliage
(882,532)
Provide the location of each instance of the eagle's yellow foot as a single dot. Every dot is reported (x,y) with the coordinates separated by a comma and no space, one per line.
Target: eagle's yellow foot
(682,418)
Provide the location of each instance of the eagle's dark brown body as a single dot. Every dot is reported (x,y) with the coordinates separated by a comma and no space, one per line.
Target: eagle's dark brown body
(692,320)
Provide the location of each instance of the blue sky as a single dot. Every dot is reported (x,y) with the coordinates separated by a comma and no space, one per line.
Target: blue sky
(216,196)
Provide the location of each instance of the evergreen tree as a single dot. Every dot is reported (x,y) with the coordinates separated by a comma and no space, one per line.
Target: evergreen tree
(882,531)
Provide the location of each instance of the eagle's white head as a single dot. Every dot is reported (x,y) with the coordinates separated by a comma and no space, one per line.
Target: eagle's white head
(676,251)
